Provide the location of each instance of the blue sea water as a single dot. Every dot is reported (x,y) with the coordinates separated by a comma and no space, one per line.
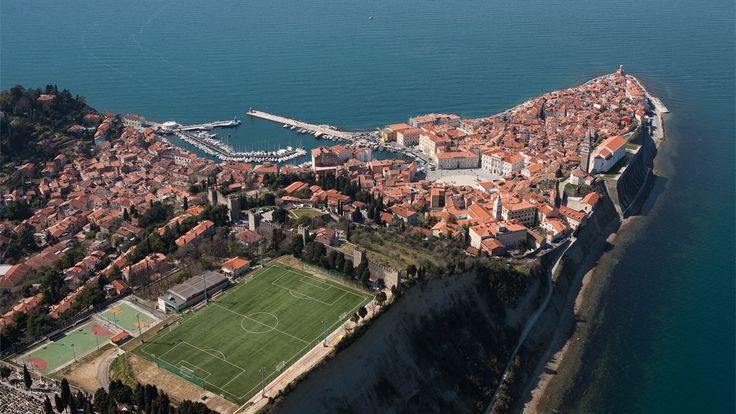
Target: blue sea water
(665,339)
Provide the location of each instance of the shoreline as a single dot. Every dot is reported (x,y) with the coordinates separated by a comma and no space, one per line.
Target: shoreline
(561,359)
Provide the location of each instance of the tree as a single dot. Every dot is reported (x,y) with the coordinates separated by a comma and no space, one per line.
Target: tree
(411,270)
(363,273)
(139,395)
(296,246)
(115,272)
(380,298)
(347,268)
(101,400)
(47,407)
(5,372)
(280,215)
(66,392)
(354,318)
(72,406)
(59,403)
(185,204)
(126,216)
(17,211)
(27,380)
(331,258)
(362,312)
(339,261)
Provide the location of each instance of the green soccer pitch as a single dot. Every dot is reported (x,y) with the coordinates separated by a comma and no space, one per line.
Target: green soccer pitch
(268,321)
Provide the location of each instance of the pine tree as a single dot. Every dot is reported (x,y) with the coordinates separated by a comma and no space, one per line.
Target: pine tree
(139,395)
(58,403)
(47,408)
(72,406)
(27,380)
(66,392)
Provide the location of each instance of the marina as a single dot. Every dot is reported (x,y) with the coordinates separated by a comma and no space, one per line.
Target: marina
(198,136)
(201,137)
(212,146)
(362,139)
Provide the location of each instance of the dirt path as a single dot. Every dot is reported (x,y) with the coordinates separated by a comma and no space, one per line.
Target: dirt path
(84,374)
(103,368)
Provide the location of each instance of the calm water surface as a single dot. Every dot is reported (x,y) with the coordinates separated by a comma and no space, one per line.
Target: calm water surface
(665,341)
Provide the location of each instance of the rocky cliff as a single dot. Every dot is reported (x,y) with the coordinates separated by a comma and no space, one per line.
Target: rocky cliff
(439,348)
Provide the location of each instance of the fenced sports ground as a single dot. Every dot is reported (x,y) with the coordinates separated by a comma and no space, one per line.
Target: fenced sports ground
(269,321)
(75,342)
(127,317)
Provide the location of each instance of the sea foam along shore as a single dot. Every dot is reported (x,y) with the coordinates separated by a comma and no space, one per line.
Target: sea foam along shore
(562,358)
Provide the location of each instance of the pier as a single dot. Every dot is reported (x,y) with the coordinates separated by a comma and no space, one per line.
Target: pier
(217,124)
(316,130)
(208,142)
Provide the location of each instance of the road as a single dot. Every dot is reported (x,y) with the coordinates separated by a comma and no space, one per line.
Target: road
(528,327)
(104,368)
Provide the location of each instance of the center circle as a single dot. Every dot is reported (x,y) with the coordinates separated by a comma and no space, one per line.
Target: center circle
(259,322)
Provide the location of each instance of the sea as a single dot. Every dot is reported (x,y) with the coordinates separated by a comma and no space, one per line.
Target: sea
(664,339)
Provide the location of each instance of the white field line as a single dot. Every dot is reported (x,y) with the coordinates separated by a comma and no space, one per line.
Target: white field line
(259,322)
(233,379)
(307,276)
(306,280)
(316,340)
(365,299)
(213,356)
(154,319)
(302,294)
(184,361)
(169,350)
(320,279)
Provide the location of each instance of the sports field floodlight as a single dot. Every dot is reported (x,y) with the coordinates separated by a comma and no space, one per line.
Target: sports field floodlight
(263,387)
(204,281)
(138,317)
(74,353)
(324,326)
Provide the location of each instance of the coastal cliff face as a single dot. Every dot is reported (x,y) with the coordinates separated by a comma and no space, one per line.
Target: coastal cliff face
(622,198)
(558,319)
(439,348)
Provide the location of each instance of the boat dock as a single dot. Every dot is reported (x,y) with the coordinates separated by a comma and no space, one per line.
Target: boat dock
(217,124)
(208,142)
(212,146)
(316,130)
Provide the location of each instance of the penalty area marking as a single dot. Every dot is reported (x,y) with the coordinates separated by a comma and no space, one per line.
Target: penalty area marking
(321,280)
(214,351)
(193,368)
(274,283)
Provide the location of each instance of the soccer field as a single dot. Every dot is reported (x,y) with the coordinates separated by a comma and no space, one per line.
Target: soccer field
(268,321)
